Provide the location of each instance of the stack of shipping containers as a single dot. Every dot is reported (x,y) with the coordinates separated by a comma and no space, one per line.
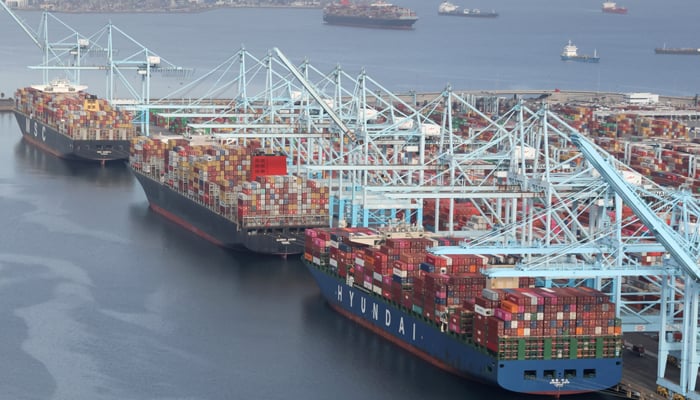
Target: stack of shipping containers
(78,115)
(507,316)
(234,181)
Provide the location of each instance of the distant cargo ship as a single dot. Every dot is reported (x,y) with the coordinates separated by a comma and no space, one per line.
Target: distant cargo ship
(62,119)
(612,8)
(500,331)
(690,51)
(374,15)
(570,53)
(229,195)
(447,8)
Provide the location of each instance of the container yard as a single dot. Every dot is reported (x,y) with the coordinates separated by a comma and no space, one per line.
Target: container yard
(231,195)
(70,123)
(660,148)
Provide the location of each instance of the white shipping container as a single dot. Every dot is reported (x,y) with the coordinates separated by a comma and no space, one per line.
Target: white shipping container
(400,273)
(483,311)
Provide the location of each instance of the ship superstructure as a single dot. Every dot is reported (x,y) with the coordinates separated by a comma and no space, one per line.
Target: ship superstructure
(612,8)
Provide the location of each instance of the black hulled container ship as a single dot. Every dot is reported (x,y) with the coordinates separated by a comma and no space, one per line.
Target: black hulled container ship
(499,331)
(64,120)
(230,195)
(374,15)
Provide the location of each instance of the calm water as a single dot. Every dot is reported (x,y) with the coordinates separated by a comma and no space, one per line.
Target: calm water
(520,49)
(102,299)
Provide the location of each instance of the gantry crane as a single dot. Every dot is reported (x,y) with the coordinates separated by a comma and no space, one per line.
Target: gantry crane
(67,53)
(349,131)
(69,56)
(562,213)
(543,197)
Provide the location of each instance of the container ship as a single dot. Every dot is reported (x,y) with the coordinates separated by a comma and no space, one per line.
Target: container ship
(499,331)
(570,53)
(447,8)
(612,8)
(64,120)
(232,196)
(690,51)
(374,15)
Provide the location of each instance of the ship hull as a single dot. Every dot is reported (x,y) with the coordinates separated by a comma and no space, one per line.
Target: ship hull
(681,51)
(615,10)
(216,228)
(50,140)
(585,59)
(424,339)
(365,22)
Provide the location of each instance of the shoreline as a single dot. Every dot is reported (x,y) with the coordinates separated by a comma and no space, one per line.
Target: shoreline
(168,11)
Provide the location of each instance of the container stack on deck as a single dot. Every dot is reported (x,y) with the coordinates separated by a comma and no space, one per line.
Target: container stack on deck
(507,316)
(233,181)
(79,115)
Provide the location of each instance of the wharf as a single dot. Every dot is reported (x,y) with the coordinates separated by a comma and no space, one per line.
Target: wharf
(6,105)
(555,96)
(639,372)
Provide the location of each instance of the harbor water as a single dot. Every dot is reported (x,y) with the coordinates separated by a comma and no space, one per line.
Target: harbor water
(518,50)
(103,299)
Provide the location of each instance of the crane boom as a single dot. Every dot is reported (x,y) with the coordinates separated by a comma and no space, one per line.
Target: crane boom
(32,35)
(670,239)
(312,91)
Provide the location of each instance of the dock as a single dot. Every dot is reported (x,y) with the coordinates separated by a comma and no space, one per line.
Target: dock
(639,372)
(6,105)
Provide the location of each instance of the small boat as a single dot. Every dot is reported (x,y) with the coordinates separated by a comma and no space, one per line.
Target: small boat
(612,8)
(570,53)
(448,8)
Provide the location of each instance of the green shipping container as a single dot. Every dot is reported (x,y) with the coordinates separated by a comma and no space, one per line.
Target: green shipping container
(548,348)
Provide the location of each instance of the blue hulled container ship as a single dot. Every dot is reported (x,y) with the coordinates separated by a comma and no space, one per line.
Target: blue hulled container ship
(559,353)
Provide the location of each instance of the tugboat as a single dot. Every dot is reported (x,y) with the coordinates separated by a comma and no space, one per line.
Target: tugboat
(612,8)
(570,53)
(447,8)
